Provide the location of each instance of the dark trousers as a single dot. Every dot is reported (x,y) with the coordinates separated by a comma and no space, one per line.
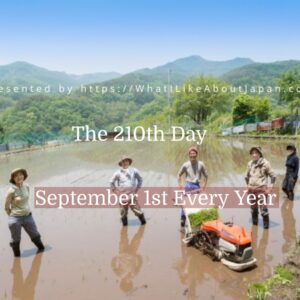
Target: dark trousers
(15,225)
(288,185)
(134,207)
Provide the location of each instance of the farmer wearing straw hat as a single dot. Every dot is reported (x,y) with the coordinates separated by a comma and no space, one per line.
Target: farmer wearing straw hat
(258,172)
(19,213)
(128,178)
(193,170)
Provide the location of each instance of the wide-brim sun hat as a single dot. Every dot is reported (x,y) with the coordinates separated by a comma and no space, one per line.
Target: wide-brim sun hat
(15,171)
(257,148)
(125,157)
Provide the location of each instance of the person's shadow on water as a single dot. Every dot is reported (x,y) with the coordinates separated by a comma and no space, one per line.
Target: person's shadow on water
(127,264)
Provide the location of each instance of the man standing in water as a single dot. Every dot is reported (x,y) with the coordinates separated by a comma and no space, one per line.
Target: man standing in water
(193,170)
(128,179)
(258,171)
(292,169)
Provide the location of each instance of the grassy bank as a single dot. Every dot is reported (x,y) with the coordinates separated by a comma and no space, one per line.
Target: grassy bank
(284,283)
(31,148)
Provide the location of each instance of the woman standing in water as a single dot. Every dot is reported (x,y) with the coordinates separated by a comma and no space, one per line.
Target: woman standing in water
(19,213)
(292,169)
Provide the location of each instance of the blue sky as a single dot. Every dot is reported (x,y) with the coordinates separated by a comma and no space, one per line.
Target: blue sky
(93,35)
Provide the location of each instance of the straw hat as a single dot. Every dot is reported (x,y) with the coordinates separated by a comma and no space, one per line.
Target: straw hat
(124,157)
(13,173)
(258,149)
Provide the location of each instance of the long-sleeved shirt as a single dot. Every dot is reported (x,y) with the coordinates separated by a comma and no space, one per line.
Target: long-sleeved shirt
(193,172)
(126,178)
(258,173)
(292,165)
(17,201)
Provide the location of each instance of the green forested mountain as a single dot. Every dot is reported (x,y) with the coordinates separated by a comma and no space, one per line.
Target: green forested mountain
(196,65)
(180,70)
(238,71)
(37,117)
(141,85)
(23,73)
(260,73)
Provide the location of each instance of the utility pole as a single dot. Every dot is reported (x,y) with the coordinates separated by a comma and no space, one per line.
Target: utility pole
(169,100)
(297,121)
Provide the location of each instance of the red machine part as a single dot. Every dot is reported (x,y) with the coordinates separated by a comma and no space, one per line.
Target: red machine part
(231,233)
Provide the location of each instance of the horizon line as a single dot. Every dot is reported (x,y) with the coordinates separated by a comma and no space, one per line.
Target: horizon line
(143,68)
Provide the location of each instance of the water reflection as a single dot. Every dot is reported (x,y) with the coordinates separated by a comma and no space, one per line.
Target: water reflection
(188,268)
(289,224)
(202,276)
(263,256)
(128,263)
(24,289)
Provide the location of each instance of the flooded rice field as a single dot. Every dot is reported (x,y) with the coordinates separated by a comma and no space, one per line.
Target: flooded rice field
(90,255)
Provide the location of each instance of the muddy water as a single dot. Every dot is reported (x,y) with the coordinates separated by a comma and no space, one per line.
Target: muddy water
(90,256)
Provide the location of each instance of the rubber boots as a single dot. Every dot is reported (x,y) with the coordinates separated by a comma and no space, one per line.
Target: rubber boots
(254,214)
(16,248)
(182,221)
(266,221)
(291,195)
(142,219)
(37,241)
(124,221)
(265,216)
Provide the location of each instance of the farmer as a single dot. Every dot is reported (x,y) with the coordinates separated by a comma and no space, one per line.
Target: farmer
(258,171)
(193,170)
(19,213)
(291,175)
(128,179)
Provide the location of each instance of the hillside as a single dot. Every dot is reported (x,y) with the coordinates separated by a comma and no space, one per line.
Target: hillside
(23,73)
(265,74)
(180,70)
(196,65)
(39,117)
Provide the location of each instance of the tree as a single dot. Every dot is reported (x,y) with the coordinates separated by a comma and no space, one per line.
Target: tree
(248,108)
(201,97)
(289,84)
